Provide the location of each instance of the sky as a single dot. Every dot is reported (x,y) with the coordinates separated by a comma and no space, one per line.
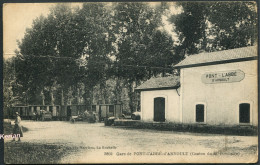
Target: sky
(19,16)
(16,18)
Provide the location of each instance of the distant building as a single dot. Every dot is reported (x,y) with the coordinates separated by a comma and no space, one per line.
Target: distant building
(218,88)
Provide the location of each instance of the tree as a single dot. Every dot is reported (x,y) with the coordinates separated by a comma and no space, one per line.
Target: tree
(53,50)
(49,51)
(140,44)
(210,26)
(9,84)
(95,20)
(72,50)
(234,24)
(161,54)
(190,27)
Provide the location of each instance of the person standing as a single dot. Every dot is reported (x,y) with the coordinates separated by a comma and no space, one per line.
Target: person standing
(17,131)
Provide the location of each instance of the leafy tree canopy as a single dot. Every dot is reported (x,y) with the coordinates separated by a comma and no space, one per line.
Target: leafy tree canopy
(211,26)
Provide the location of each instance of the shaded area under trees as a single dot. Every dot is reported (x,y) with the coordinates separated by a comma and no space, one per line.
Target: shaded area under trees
(102,51)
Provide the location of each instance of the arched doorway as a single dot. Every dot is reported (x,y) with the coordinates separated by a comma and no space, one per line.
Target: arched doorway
(244,113)
(159,109)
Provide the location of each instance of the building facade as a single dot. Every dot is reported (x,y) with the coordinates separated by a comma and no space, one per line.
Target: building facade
(160,100)
(218,88)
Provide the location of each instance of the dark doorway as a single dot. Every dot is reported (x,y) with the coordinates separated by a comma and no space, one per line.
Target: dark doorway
(111,109)
(199,113)
(51,109)
(244,113)
(93,108)
(21,111)
(68,111)
(159,109)
(57,110)
(35,109)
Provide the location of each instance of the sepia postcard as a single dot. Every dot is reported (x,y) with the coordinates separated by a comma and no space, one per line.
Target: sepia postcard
(130,82)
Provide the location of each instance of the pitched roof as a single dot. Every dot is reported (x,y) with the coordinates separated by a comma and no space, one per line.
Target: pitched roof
(231,55)
(160,83)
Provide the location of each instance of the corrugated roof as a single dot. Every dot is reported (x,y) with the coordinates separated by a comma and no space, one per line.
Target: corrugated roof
(224,55)
(160,83)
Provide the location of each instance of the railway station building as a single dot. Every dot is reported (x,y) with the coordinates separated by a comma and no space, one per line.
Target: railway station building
(217,88)
(160,99)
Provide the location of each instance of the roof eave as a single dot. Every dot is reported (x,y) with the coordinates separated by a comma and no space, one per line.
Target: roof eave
(215,62)
(161,88)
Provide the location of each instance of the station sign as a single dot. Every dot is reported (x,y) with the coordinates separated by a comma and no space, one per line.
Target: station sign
(223,77)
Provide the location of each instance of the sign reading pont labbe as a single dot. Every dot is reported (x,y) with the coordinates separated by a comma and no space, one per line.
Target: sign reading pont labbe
(223,77)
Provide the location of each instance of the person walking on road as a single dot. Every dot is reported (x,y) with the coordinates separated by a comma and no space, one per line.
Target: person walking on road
(17,131)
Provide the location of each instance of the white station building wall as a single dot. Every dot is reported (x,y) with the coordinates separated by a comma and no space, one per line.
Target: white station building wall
(172,100)
(221,100)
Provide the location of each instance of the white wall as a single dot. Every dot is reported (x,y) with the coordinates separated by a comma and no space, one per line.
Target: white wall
(172,112)
(221,99)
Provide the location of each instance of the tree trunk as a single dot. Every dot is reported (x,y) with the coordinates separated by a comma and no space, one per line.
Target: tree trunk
(51,95)
(118,91)
(43,98)
(102,91)
(88,96)
(62,97)
(150,73)
(91,96)
(78,96)
(131,95)
(69,96)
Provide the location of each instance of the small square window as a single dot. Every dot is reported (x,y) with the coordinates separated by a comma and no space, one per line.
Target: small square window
(199,113)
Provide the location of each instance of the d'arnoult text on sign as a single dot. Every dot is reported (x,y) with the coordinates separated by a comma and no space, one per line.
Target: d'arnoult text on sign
(223,77)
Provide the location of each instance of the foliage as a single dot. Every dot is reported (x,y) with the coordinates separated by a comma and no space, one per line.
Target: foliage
(9,83)
(190,26)
(141,45)
(234,24)
(49,36)
(102,51)
(138,38)
(211,26)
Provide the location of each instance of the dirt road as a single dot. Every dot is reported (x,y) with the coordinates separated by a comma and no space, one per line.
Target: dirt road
(97,143)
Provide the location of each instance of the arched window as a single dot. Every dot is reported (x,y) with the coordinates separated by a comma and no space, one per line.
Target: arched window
(200,111)
(244,113)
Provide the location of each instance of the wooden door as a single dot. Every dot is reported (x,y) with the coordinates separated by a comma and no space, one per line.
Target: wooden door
(159,109)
